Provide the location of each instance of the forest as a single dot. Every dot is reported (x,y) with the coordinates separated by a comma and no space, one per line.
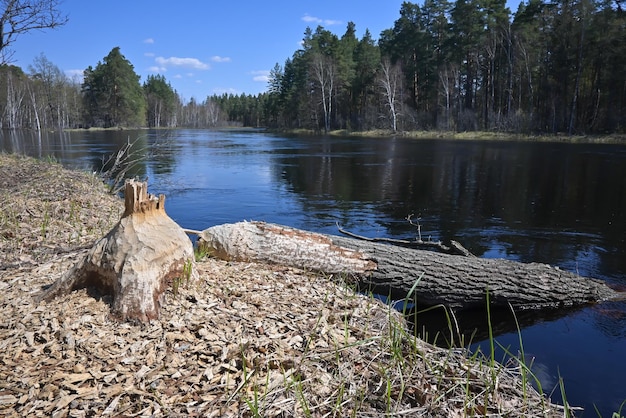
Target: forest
(551,67)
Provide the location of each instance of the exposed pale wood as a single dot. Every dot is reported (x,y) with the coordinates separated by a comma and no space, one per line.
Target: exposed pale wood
(246,241)
(452,280)
(136,261)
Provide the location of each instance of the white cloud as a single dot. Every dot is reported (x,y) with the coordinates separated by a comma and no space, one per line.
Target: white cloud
(310,19)
(76,75)
(326,22)
(217,58)
(261,76)
(148,41)
(156,69)
(193,63)
(220,91)
(148,54)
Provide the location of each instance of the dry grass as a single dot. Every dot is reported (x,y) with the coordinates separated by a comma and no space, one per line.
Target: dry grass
(245,340)
(46,210)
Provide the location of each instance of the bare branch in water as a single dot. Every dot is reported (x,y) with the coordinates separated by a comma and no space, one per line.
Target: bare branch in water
(116,167)
(454,248)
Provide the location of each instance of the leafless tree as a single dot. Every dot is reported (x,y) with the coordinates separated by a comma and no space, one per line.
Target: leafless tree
(446,92)
(212,113)
(12,113)
(33,101)
(21,16)
(448,77)
(324,74)
(50,86)
(390,81)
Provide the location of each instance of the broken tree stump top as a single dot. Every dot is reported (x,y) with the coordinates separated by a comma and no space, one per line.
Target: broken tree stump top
(138,200)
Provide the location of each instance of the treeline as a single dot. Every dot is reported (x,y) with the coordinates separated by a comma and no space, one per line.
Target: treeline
(108,95)
(551,67)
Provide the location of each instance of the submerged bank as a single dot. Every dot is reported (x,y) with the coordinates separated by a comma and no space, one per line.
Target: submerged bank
(245,340)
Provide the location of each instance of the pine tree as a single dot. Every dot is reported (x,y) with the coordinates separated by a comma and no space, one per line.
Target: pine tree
(406,43)
(112,93)
(346,71)
(367,60)
(162,102)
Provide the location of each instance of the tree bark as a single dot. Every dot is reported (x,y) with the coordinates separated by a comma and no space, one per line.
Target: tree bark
(135,262)
(427,277)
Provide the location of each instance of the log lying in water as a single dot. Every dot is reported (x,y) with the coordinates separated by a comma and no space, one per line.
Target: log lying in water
(452,280)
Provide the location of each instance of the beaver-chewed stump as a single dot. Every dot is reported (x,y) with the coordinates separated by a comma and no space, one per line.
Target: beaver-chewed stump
(428,277)
(136,261)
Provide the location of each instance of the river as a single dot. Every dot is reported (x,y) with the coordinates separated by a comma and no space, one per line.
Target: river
(557,203)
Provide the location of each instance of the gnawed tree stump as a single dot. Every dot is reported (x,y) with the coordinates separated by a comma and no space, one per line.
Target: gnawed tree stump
(451,280)
(136,261)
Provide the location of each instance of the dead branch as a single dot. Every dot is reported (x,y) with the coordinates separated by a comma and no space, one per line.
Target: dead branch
(117,166)
(455,248)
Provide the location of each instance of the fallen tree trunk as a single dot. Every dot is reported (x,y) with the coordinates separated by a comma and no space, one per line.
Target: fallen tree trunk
(452,280)
(144,253)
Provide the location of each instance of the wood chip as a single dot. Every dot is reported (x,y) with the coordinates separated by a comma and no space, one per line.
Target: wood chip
(296,343)
(7,400)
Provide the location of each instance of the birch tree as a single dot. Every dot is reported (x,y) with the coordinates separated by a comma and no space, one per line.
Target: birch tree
(448,77)
(390,81)
(49,85)
(13,80)
(324,74)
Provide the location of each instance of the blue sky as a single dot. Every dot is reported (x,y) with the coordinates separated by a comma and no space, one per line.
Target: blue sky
(202,47)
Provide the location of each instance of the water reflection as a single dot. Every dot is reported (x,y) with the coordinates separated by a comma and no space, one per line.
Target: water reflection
(552,203)
(145,150)
(37,144)
(610,319)
(448,328)
(562,204)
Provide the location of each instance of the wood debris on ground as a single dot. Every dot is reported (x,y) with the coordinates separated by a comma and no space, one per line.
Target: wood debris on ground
(245,339)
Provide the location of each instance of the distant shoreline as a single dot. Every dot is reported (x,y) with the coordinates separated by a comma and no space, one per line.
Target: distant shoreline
(474,135)
(619,139)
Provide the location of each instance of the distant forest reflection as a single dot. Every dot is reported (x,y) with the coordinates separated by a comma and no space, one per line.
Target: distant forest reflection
(521,195)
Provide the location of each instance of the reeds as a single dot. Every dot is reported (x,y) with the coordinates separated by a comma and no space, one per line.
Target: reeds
(125,162)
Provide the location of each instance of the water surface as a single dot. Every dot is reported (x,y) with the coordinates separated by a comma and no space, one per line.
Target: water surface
(557,203)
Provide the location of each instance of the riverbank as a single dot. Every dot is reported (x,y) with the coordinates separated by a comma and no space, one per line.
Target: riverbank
(244,340)
(386,133)
(474,135)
